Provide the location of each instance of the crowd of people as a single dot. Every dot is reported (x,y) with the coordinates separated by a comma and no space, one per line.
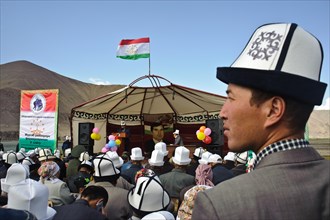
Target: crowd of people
(269,173)
(104,186)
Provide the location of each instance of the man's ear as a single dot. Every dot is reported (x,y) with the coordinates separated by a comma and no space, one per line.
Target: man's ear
(274,109)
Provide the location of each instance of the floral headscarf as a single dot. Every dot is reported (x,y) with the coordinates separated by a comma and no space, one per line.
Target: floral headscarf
(48,170)
(204,175)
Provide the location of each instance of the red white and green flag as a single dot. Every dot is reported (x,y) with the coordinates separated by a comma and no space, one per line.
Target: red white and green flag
(133,49)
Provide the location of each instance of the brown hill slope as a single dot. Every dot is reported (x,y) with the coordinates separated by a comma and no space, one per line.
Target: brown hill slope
(23,75)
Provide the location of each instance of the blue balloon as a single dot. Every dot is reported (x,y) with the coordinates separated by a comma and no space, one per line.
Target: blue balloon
(112,143)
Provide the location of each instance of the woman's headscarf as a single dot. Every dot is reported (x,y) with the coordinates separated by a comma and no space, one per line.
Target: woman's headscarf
(204,175)
(48,170)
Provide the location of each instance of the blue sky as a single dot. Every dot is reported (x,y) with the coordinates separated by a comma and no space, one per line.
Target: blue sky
(188,39)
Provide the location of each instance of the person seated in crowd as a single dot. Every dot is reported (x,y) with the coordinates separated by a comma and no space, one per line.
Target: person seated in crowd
(229,160)
(148,195)
(59,192)
(177,179)
(74,162)
(118,163)
(85,170)
(241,160)
(136,160)
(157,130)
(106,175)
(220,173)
(156,162)
(197,155)
(167,167)
(88,207)
(204,181)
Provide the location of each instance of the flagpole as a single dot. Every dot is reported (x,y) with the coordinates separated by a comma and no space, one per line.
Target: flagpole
(149,65)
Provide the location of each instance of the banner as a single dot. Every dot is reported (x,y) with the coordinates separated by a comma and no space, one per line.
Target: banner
(38,119)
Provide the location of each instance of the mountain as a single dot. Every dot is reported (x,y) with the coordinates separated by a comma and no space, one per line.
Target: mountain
(23,75)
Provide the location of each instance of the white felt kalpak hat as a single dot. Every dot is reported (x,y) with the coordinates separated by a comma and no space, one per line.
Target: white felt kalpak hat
(136,154)
(16,173)
(215,158)
(148,195)
(84,156)
(104,166)
(181,156)
(198,152)
(45,154)
(161,215)
(161,146)
(282,59)
(176,131)
(205,158)
(157,158)
(242,157)
(10,157)
(31,196)
(230,156)
(115,158)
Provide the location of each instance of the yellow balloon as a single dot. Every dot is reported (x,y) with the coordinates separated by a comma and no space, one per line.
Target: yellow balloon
(118,142)
(93,136)
(200,136)
(98,137)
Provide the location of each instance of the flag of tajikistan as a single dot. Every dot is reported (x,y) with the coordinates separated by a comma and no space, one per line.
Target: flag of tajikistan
(134,49)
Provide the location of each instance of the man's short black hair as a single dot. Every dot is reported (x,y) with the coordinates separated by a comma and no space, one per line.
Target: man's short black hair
(156,124)
(95,192)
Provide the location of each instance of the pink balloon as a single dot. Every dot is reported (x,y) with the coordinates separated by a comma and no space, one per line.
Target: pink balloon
(111,137)
(104,150)
(95,130)
(207,131)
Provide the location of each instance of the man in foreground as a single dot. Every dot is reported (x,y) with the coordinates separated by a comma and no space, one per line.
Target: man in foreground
(272,89)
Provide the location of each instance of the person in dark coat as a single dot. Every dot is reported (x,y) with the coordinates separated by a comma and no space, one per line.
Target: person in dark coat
(157,130)
(220,173)
(136,160)
(88,207)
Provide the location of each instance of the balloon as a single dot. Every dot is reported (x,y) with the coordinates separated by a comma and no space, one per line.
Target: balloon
(207,131)
(93,136)
(118,142)
(207,140)
(114,148)
(111,137)
(112,143)
(202,128)
(197,131)
(200,136)
(95,130)
(98,137)
(106,146)
(104,150)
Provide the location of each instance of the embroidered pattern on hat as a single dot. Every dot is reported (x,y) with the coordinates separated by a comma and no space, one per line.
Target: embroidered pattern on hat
(265,45)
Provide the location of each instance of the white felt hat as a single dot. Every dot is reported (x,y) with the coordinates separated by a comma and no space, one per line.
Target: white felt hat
(160,215)
(16,173)
(115,158)
(45,154)
(176,131)
(148,195)
(67,152)
(230,156)
(181,156)
(10,157)
(28,161)
(157,158)
(198,152)
(282,59)
(31,196)
(136,154)
(84,156)
(161,146)
(242,157)
(205,158)
(215,158)
(104,166)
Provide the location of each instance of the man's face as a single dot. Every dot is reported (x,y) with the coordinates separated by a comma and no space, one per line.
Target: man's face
(158,133)
(243,124)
